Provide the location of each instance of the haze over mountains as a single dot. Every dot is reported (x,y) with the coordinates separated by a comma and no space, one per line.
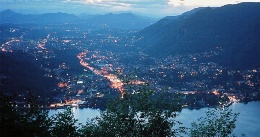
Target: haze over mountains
(118,21)
(235,28)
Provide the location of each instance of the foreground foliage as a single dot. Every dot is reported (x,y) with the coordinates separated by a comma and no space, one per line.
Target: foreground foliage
(32,121)
(141,113)
(219,122)
(137,114)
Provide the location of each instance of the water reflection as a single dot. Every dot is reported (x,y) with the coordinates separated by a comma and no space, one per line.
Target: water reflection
(248,121)
(82,115)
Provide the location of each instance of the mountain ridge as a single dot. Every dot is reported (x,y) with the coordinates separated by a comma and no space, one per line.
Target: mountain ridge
(236,28)
(118,21)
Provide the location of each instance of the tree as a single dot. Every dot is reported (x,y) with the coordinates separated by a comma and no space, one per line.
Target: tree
(136,114)
(141,112)
(219,122)
(64,124)
(33,121)
(27,122)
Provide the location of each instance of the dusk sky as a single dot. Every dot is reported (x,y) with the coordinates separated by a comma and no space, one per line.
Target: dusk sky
(151,8)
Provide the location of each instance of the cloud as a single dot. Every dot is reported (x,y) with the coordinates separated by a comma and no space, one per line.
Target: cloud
(122,3)
(145,7)
(126,2)
(203,3)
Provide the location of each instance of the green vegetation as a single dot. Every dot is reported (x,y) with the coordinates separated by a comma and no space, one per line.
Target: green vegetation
(63,124)
(137,114)
(219,122)
(22,122)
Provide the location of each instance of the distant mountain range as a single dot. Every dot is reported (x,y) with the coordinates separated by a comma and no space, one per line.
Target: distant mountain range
(119,21)
(235,28)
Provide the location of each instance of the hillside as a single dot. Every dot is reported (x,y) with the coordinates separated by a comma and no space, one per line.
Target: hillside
(235,28)
(19,75)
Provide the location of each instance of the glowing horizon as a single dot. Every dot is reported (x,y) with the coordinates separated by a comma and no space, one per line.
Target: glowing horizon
(152,8)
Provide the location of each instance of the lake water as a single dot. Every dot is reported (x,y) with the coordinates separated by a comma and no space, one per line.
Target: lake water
(248,121)
(82,115)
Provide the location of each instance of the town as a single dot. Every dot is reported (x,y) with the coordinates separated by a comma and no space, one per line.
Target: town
(92,66)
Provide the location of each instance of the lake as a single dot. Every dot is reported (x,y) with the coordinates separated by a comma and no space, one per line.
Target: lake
(248,121)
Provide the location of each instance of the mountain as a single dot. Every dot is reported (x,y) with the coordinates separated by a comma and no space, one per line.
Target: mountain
(118,21)
(235,28)
(9,16)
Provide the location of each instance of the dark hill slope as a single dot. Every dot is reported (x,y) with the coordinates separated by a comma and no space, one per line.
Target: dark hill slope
(235,28)
(20,75)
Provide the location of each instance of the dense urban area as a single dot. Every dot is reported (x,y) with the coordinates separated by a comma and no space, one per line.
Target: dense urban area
(86,67)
